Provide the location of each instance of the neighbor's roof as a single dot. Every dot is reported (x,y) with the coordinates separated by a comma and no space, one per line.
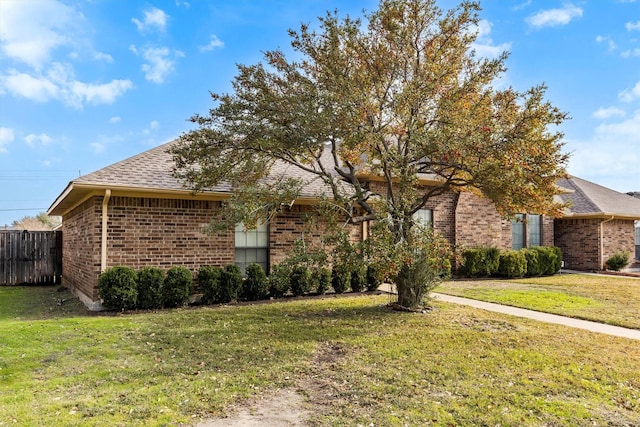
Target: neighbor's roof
(149,174)
(590,200)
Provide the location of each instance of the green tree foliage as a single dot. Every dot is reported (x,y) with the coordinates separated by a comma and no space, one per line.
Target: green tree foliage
(398,96)
(41,222)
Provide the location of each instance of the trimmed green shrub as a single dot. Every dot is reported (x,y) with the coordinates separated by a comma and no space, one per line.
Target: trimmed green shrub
(534,268)
(209,282)
(557,262)
(117,286)
(321,280)
(230,284)
(254,287)
(177,287)
(340,278)
(512,264)
(300,280)
(550,259)
(617,261)
(373,280)
(150,280)
(358,278)
(279,280)
(480,262)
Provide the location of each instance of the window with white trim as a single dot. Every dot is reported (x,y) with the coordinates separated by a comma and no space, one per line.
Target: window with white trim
(423,218)
(518,232)
(534,224)
(252,246)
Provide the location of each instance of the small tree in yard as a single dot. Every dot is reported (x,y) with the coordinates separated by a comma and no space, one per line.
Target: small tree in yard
(397,96)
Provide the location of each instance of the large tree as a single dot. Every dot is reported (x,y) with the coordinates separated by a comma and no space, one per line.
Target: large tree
(401,98)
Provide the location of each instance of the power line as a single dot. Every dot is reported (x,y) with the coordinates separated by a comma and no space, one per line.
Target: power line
(24,209)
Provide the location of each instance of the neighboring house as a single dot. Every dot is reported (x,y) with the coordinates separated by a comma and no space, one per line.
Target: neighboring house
(135,213)
(636,194)
(598,222)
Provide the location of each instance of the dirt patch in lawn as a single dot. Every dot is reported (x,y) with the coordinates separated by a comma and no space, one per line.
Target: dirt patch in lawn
(283,408)
(294,406)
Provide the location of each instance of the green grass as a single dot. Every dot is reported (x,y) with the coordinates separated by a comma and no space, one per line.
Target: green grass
(611,300)
(358,362)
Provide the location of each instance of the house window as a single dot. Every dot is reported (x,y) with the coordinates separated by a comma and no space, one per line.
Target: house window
(252,246)
(423,218)
(517,232)
(534,223)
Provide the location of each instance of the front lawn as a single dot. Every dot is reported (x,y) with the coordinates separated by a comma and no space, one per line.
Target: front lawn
(357,362)
(612,300)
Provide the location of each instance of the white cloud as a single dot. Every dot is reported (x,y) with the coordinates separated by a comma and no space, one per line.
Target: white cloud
(60,84)
(39,89)
(214,43)
(607,113)
(484,45)
(160,62)
(154,18)
(115,119)
(631,53)
(554,17)
(6,137)
(152,128)
(30,31)
(610,43)
(102,141)
(629,95)
(522,5)
(105,93)
(632,26)
(43,139)
(609,154)
(101,56)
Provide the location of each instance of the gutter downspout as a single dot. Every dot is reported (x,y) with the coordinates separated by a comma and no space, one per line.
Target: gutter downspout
(105,218)
(602,240)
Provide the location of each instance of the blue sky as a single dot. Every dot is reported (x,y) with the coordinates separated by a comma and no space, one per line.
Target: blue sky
(84,84)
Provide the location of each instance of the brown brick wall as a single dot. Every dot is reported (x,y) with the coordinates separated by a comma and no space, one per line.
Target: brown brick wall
(443,207)
(294,224)
(81,248)
(478,223)
(144,232)
(579,240)
(618,236)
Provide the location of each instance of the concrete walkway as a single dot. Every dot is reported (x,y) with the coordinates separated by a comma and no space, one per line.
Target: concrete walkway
(535,315)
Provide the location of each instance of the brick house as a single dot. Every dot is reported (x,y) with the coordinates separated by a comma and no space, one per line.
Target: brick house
(135,213)
(598,222)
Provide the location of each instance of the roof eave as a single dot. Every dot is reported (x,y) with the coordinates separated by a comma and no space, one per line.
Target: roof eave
(76,193)
(601,215)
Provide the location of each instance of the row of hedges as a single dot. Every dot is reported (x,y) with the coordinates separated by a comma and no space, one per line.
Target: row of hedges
(529,262)
(122,288)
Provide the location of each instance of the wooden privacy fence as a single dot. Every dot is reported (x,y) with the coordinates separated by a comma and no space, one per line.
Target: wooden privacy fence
(30,257)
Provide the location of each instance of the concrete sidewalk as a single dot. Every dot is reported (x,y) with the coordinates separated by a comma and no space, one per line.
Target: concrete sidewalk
(534,315)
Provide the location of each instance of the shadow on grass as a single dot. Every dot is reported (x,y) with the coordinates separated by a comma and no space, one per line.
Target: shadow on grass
(39,303)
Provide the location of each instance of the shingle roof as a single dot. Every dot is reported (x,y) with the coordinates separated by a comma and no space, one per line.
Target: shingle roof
(588,199)
(151,171)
